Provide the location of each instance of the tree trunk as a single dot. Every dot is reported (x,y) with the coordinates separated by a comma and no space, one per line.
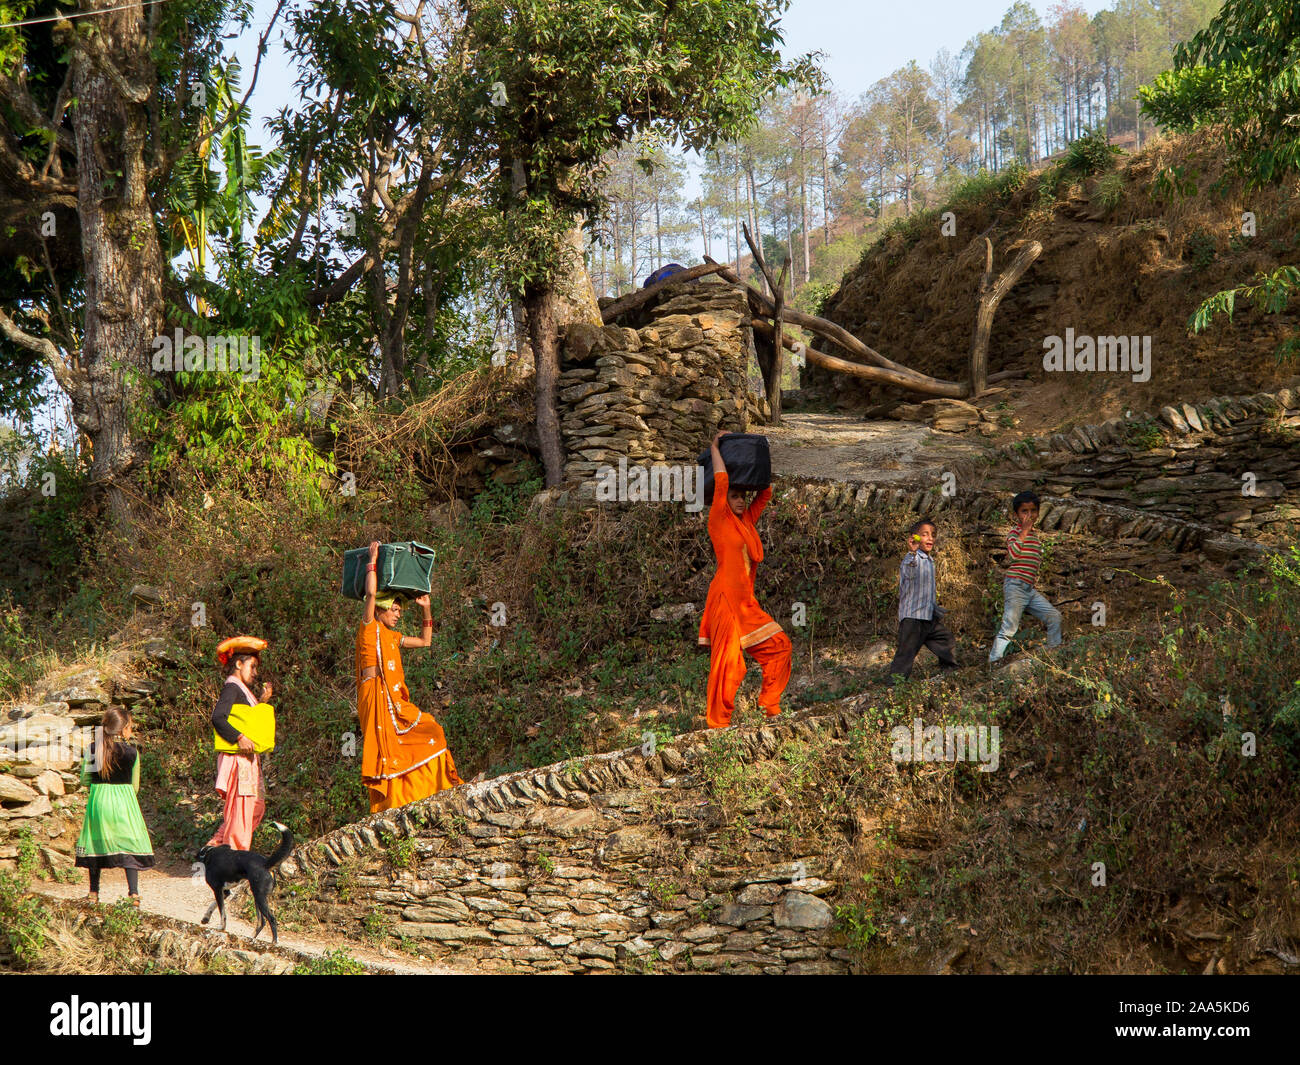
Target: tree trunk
(540,308)
(549,307)
(632,225)
(617,288)
(575,294)
(659,236)
(123,263)
(523,347)
(735,199)
(803,209)
(826,194)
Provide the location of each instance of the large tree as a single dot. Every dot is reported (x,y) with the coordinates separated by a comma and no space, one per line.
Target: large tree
(554,85)
(95,111)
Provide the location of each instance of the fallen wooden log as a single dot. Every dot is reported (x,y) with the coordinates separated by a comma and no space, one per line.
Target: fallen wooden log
(888,377)
(878,374)
(822,328)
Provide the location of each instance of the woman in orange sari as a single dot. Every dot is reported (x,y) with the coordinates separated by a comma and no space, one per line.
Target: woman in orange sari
(404,754)
(733,622)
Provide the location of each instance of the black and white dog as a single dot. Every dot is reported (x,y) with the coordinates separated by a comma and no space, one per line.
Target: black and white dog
(224,866)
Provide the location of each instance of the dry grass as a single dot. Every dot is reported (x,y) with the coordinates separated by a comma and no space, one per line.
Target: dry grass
(427,438)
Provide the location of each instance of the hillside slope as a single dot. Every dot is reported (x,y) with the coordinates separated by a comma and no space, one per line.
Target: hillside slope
(1121,256)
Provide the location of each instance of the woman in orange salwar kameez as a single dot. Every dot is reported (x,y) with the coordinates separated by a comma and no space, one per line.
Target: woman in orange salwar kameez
(733,622)
(404,754)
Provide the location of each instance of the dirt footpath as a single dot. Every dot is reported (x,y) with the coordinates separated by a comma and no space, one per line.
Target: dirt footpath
(171,893)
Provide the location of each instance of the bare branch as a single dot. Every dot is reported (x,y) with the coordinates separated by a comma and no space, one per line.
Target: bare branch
(991,295)
(828,330)
(70,379)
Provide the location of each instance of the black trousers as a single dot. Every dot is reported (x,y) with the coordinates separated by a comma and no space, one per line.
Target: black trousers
(913,634)
(132,880)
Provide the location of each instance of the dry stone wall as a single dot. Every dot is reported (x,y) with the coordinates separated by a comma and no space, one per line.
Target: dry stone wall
(1228,464)
(656,385)
(613,862)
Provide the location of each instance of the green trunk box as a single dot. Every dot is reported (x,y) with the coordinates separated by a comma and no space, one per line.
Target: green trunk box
(404,568)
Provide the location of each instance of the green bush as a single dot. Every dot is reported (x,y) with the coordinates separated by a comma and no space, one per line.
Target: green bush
(1201,249)
(23,920)
(1110,191)
(335,963)
(1090,154)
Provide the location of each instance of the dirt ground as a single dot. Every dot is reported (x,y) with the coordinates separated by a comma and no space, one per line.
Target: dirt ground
(843,447)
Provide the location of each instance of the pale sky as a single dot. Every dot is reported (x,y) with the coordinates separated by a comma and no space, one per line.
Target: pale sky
(862,41)
(865,42)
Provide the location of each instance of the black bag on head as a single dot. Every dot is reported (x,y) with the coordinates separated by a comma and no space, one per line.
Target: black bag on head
(748,460)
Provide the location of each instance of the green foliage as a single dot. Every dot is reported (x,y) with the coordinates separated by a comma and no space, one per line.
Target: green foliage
(399,851)
(1110,191)
(334,963)
(576,81)
(1241,71)
(1271,292)
(732,779)
(989,188)
(1201,249)
(377,925)
(1143,434)
(858,919)
(23,920)
(1090,154)
(1172,182)
(812,297)
(51,488)
(122,919)
(261,417)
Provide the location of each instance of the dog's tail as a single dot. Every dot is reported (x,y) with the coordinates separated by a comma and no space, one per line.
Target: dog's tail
(283,850)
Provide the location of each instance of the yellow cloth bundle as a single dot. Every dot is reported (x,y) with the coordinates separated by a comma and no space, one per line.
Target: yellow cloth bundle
(255,722)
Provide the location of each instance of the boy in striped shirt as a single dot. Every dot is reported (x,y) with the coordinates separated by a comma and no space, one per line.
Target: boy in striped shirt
(919,612)
(1024,556)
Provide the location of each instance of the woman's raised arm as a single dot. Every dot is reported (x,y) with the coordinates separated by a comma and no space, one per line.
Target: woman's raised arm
(372,583)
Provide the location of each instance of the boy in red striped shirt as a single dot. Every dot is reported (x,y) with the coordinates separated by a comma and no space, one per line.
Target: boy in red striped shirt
(1024,556)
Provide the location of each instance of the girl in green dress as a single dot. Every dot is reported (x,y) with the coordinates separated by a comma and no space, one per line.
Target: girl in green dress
(113,835)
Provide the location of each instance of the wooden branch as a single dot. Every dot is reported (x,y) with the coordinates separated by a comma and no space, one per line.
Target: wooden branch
(991,294)
(774,393)
(757,252)
(772,369)
(820,326)
(634,299)
(69,379)
(830,362)
(16,96)
(929,386)
(90,45)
